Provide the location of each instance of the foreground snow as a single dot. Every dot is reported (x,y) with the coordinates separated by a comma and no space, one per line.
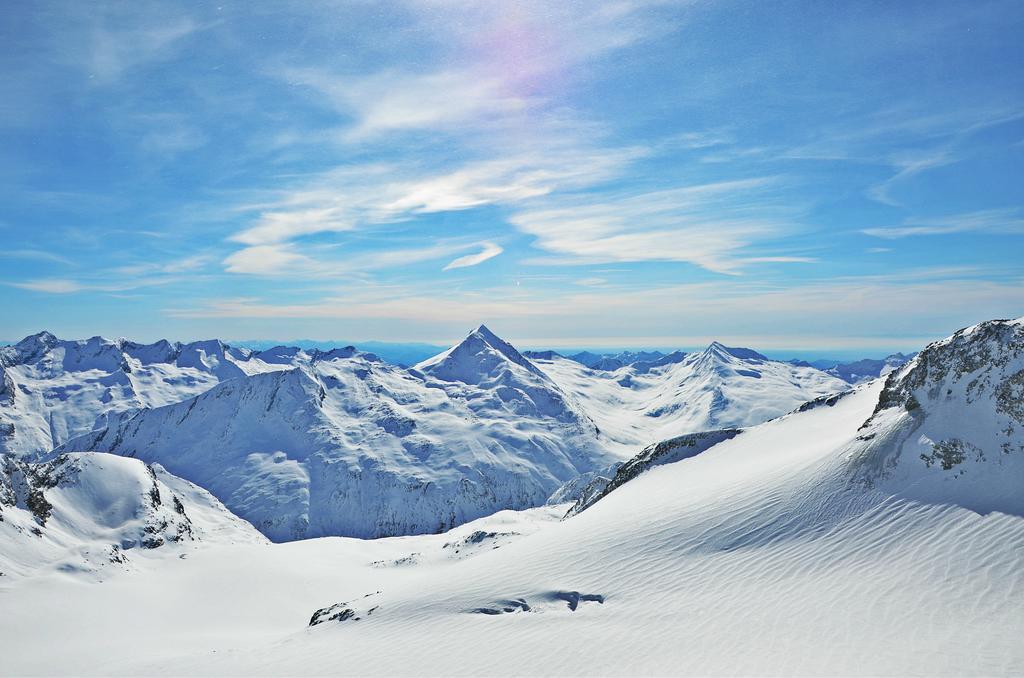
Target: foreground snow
(762,555)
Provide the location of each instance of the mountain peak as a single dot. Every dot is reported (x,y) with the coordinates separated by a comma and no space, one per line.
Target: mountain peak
(42,339)
(479,357)
(485,331)
(721,351)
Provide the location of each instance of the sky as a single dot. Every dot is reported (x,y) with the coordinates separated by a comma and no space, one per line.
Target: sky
(789,175)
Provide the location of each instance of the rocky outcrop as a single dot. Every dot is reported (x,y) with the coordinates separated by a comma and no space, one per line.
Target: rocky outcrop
(949,425)
(665,452)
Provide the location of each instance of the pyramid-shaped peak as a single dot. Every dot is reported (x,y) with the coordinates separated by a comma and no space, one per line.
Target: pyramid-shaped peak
(481,355)
(720,351)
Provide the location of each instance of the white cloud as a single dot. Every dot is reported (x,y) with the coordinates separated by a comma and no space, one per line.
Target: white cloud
(489,251)
(33,254)
(107,41)
(50,286)
(324,262)
(270,260)
(985,221)
(909,165)
(275,227)
(395,101)
(707,225)
(193,262)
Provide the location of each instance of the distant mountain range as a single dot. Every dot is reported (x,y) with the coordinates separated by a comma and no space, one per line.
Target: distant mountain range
(306,442)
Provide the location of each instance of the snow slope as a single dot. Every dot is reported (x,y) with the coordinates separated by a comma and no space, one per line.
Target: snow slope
(52,390)
(347,445)
(87,512)
(717,388)
(801,547)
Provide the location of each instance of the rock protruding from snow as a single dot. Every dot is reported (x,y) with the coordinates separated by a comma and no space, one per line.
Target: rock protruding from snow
(585,487)
(86,511)
(665,452)
(949,425)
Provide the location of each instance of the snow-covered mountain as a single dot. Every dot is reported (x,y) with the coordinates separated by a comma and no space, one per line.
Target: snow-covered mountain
(868,368)
(86,512)
(347,445)
(719,387)
(950,424)
(52,390)
(614,361)
(880,532)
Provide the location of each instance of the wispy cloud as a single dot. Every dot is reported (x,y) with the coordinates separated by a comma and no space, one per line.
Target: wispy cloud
(294,260)
(73,286)
(108,40)
(1006,221)
(395,101)
(709,225)
(907,166)
(50,286)
(274,259)
(192,262)
(37,255)
(489,251)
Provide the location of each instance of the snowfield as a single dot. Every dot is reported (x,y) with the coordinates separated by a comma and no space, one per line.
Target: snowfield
(831,541)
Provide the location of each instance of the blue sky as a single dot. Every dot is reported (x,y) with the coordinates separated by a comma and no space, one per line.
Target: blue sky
(828,176)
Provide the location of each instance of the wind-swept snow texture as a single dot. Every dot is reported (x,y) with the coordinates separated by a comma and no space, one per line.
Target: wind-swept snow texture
(87,512)
(809,545)
(351,446)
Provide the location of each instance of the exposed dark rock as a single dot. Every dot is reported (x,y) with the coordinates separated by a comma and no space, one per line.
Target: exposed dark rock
(665,452)
(337,612)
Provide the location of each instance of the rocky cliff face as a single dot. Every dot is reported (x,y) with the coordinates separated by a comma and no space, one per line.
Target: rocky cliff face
(949,425)
(664,452)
